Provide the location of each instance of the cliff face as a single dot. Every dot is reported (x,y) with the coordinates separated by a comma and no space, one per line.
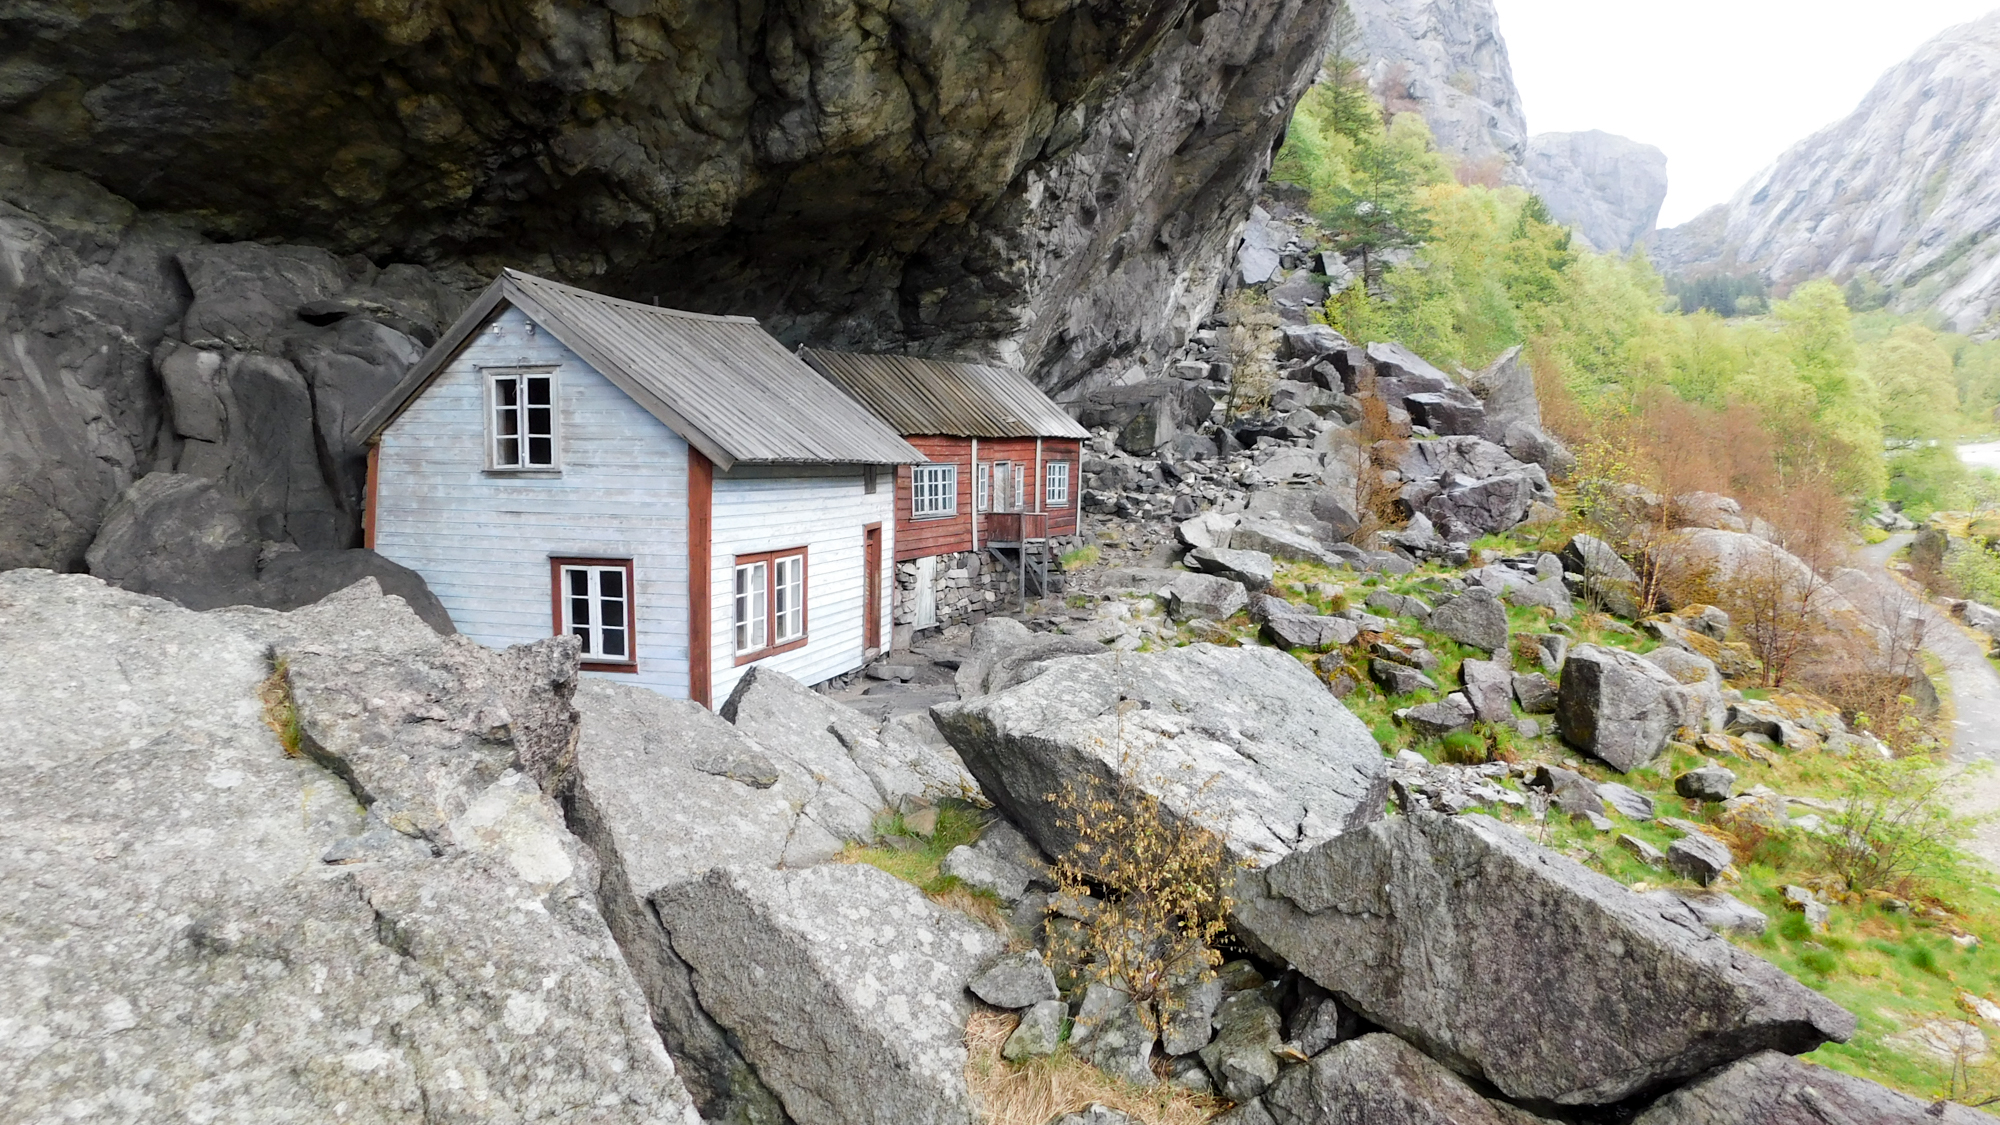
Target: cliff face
(949,176)
(1446,60)
(1053,183)
(1901,189)
(1606,187)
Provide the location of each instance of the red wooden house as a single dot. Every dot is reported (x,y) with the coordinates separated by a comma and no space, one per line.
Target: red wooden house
(1001,483)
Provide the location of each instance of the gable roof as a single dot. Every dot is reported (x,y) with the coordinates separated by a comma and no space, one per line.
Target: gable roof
(945,398)
(721,382)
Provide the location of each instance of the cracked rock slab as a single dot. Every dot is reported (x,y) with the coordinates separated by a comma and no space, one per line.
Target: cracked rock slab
(1377,1080)
(1243,741)
(1442,929)
(177,950)
(650,796)
(843,985)
(419,723)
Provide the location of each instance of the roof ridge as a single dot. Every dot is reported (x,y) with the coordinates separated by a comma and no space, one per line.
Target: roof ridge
(518,276)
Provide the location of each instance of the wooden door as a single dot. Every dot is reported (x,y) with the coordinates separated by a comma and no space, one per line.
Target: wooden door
(1006,486)
(871,598)
(925,607)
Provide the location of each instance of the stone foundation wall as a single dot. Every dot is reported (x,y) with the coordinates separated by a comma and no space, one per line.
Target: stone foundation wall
(965,583)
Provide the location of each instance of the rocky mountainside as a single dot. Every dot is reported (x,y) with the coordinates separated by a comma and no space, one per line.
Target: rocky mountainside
(1446,60)
(225,229)
(1607,188)
(1900,189)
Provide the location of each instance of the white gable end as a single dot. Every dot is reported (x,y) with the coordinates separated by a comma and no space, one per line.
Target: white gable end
(483,540)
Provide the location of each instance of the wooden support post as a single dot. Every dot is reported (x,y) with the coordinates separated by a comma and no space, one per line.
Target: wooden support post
(369,493)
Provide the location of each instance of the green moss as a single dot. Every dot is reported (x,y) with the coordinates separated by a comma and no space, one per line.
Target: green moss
(958,823)
(1080,558)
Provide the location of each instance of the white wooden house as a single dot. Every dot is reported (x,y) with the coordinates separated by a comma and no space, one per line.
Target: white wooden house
(677,490)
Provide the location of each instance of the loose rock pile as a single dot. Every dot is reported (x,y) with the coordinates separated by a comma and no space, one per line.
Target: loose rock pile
(1300,470)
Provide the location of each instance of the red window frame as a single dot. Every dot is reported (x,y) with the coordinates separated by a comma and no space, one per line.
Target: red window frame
(631,610)
(770,561)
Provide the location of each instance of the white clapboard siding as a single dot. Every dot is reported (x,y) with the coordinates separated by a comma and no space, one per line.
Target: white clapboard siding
(770,508)
(483,540)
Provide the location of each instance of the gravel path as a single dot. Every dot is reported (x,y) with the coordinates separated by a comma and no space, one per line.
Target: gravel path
(1975,697)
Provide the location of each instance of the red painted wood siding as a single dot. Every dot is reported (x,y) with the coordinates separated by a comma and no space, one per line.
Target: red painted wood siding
(916,538)
(1062,517)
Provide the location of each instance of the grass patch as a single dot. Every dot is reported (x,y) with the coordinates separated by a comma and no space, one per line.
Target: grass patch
(1038,1091)
(280,713)
(1081,557)
(915,859)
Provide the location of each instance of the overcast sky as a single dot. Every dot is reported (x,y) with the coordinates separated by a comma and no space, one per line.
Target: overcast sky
(1722,86)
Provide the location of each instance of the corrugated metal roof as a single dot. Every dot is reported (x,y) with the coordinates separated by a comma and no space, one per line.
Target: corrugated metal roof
(721,382)
(944,397)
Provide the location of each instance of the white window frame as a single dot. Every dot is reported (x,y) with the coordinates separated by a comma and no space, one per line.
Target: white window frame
(770,596)
(521,417)
(752,608)
(1008,492)
(1056,489)
(982,488)
(597,607)
(788,599)
(926,495)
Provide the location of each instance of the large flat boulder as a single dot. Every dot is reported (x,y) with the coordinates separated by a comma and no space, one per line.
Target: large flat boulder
(1245,741)
(811,733)
(419,723)
(1004,652)
(664,791)
(200,926)
(1280,540)
(1377,1080)
(844,986)
(1468,940)
(1770,1088)
(1620,707)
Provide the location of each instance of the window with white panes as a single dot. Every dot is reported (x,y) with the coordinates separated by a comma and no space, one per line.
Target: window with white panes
(1056,492)
(522,423)
(1008,491)
(594,604)
(769,601)
(933,491)
(788,599)
(753,606)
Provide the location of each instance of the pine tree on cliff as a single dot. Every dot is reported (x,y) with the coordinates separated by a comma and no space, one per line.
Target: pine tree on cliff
(1377,210)
(1350,109)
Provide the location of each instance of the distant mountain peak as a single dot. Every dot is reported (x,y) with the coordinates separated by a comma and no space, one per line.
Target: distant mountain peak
(1447,60)
(1902,190)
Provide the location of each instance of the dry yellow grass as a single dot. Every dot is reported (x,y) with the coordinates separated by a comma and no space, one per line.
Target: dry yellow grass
(275,693)
(1040,1090)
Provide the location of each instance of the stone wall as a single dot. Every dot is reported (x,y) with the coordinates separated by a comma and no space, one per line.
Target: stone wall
(966,583)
